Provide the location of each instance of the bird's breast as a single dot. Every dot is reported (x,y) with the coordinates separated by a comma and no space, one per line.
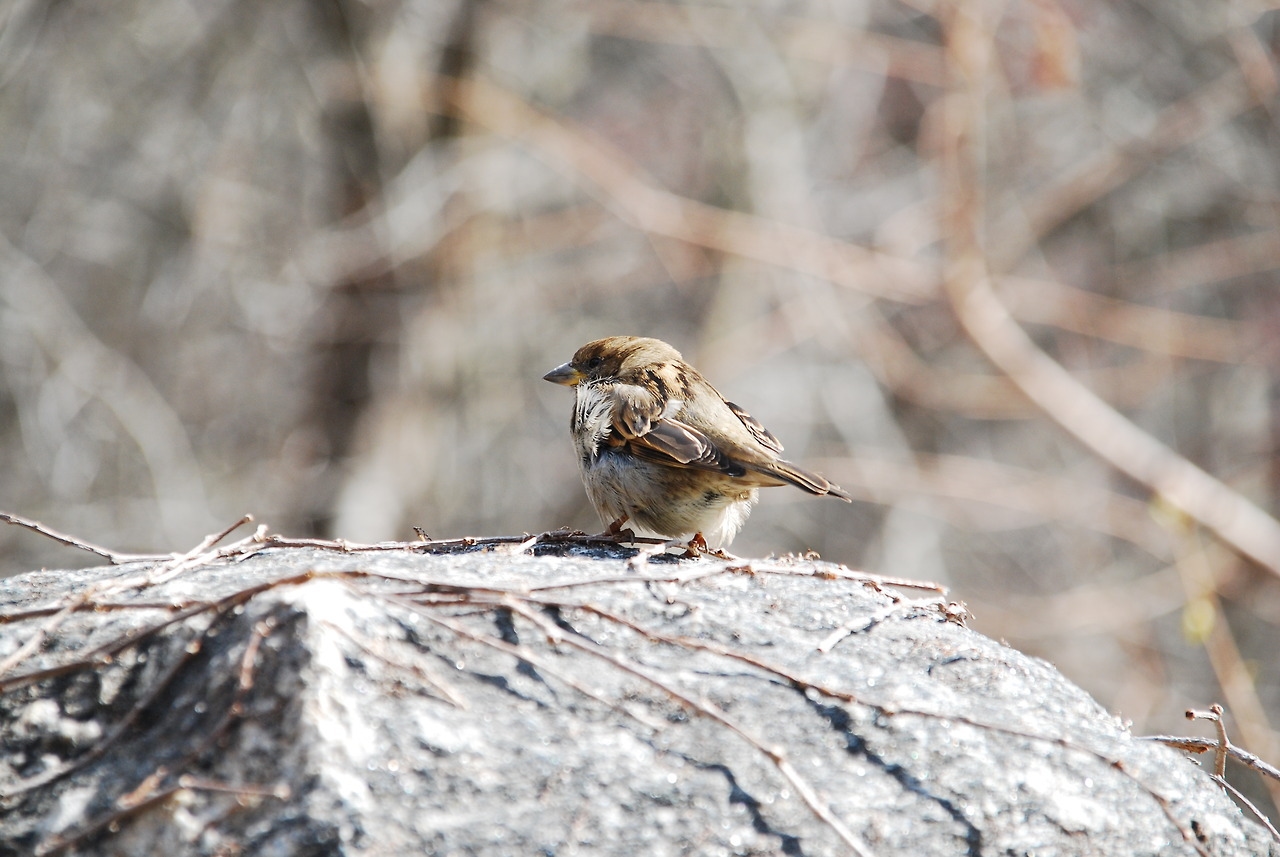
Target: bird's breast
(592,421)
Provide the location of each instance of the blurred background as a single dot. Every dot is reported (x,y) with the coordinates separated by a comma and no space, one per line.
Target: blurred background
(309,260)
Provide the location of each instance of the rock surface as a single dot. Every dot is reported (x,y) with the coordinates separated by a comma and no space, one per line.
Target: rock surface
(314,702)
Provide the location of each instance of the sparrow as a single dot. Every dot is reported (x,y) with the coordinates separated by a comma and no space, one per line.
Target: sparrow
(659,447)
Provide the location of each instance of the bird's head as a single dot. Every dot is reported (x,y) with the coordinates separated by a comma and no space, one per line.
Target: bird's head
(612,357)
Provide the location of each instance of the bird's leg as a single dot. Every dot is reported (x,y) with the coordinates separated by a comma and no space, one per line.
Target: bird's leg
(615,532)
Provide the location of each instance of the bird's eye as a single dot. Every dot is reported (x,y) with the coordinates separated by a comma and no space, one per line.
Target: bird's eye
(594,362)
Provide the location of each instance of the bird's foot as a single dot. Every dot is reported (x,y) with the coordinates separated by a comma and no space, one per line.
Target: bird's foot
(697,546)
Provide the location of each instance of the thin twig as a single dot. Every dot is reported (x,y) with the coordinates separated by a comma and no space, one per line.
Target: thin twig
(423,673)
(107,652)
(816,804)
(1203,745)
(59,843)
(198,555)
(637,200)
(36,640)
(113,557)
(522,653)
(1214,714)
(244,683)
(120,728)
(1196,568)
(1258,814)
(110,820)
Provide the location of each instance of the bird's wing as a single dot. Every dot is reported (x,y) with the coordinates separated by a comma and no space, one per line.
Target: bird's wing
(649,428)
(636,409)
(752,450)
(647,425)
(673,443)
(758,431)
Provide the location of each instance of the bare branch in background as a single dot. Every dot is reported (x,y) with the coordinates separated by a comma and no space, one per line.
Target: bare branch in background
(654,210)
(106,374)
(1069,403)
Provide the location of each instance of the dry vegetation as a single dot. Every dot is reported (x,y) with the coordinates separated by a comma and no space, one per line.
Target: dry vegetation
(1006,271)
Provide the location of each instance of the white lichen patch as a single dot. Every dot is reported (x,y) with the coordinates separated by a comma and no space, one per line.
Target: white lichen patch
(345,741)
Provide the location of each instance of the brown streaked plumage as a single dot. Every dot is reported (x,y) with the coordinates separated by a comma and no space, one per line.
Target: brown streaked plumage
(661,449)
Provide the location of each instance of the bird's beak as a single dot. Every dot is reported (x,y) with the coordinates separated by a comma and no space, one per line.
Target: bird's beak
(564,374)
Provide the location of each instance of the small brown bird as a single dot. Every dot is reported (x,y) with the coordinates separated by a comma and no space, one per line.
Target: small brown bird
(659,447)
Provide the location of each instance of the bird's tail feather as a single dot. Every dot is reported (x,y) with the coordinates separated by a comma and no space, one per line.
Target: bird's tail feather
(814,483)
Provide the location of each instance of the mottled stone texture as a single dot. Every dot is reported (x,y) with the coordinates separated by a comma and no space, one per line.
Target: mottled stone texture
(493,702)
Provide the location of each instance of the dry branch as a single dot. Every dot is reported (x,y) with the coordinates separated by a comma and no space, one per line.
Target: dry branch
(989,324)
(622,188)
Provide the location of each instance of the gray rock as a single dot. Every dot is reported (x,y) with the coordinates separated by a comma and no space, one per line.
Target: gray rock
(314,702)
